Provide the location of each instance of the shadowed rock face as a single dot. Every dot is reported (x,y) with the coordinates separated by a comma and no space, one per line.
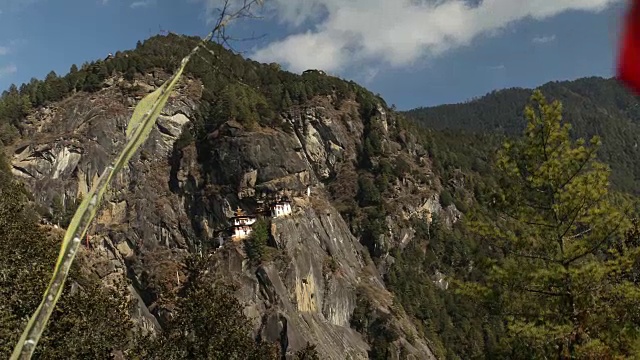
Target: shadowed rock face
(296,294)
(266,160)
(170,202)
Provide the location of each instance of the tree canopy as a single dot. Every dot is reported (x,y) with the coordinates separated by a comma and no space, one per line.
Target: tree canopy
(562,274)
(209,323)
(89,322)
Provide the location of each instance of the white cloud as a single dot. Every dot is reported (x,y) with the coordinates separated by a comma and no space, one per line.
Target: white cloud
(497,67)
(348,33)
(8,70)
(4,50)
(141,3)
(544,39)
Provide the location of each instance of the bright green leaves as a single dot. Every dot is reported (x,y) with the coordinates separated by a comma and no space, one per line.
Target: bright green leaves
(145,106)
(145,115)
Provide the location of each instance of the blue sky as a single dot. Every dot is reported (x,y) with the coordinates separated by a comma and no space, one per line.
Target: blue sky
(414,53)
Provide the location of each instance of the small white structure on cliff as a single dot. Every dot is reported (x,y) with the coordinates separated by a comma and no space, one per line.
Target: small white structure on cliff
(242,225)
(281,207)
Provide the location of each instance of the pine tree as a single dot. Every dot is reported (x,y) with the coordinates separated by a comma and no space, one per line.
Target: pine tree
(73,78)
(560,276)
(286,100)
(256,244)
(92,83)
(209,323)
(50,91)
(57,210)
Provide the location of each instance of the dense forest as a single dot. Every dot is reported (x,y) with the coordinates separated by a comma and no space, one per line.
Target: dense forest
(489,310)
(545,262)
(593,106)
(245,90)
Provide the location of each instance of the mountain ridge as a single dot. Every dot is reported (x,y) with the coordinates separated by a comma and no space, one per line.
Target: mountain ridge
(218,145)
(360,267)
(593,106)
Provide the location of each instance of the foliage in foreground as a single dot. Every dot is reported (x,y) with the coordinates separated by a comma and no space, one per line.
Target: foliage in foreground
(91,321)
(564,274)
(99,322)
(209,323)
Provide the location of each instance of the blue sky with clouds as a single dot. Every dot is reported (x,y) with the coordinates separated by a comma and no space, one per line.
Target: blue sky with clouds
(413,52)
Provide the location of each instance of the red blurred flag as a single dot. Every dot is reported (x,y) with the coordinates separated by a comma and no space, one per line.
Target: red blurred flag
(629,57)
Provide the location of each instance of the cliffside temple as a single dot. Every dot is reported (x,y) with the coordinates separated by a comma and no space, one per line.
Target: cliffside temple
(281,207)
(241,222)
(241,225)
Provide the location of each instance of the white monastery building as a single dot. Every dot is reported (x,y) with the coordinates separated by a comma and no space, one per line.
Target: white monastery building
(242,225)
(281,208)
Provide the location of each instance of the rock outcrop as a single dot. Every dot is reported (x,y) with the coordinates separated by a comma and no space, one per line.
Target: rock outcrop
(172,201)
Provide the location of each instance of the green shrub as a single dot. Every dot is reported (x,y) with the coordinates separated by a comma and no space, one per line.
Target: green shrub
(256,244)
(445,198)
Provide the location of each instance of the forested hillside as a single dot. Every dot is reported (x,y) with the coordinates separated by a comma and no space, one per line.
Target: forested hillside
(593,106)
(233,87)
(397,247)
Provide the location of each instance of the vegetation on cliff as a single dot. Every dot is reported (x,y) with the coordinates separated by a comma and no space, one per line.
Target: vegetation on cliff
(209,324)
(550,255)
(90,321)
(568,191)
(594,106)
(14,107)
(234,88)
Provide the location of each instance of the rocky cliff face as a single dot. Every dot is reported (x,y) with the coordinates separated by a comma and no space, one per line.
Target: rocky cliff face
(173,200)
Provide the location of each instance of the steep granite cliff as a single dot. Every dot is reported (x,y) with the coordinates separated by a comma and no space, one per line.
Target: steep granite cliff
(356,175)
(177,196)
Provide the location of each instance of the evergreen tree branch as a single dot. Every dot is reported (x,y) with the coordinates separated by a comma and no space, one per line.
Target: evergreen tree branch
(595,247)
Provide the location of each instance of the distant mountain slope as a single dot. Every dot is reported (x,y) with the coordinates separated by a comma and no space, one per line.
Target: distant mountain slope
(594,106)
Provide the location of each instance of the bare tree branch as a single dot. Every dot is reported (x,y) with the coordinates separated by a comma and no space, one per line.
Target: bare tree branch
(227,13)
